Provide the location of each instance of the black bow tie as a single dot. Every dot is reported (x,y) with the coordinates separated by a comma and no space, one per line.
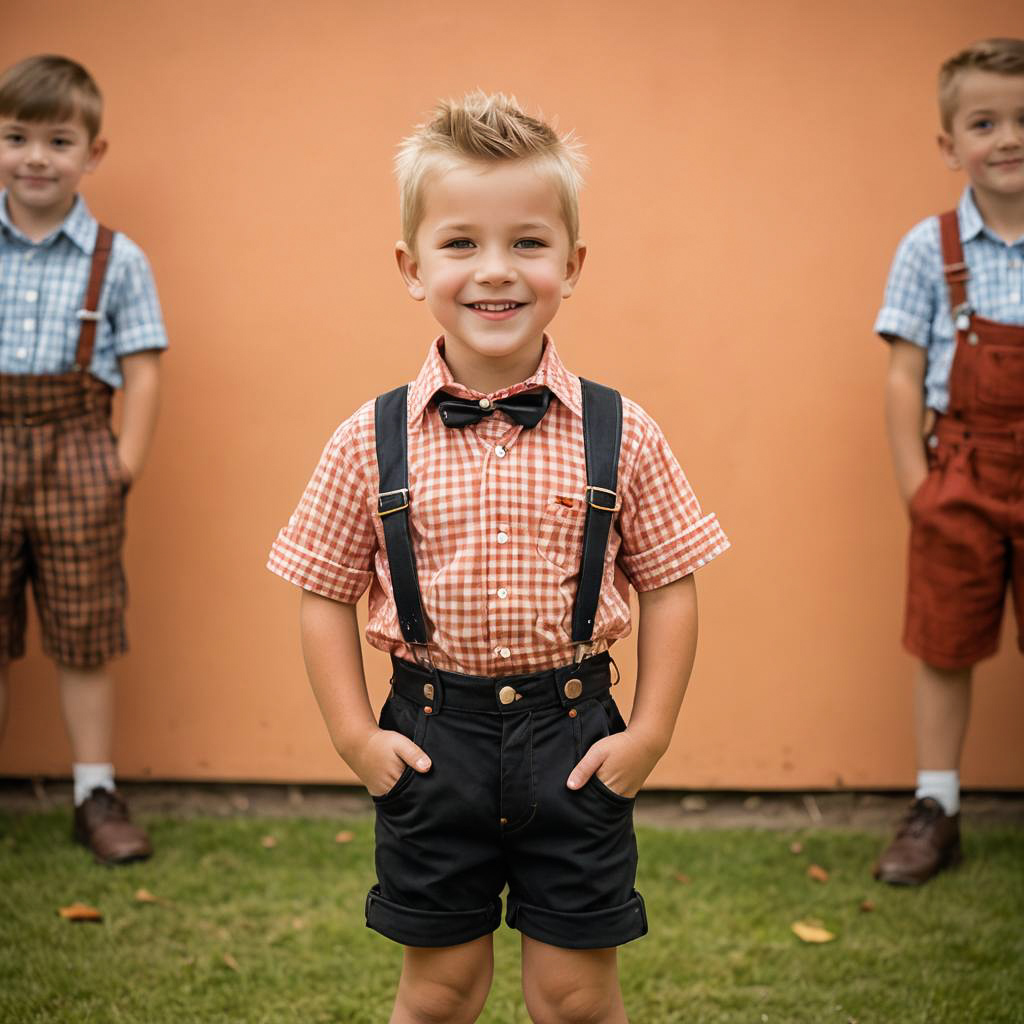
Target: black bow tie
(526,409)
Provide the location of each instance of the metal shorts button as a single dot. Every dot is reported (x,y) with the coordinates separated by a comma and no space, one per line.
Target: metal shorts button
(573,688)
(507,695)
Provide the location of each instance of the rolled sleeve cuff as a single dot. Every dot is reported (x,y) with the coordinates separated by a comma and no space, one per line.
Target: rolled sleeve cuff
(313,572)
(678,557)
(895,323)
(141,339)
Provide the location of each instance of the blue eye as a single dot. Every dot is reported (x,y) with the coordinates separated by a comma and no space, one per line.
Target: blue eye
(530,243)
(458,243)
(983,124)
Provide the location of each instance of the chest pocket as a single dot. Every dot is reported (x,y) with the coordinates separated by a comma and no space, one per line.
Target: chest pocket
(1000,382)
(560,532)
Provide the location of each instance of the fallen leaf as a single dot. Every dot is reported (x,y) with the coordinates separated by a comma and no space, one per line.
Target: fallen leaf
(344,837)
(796,846)
(144,896)
(298,924)
(817,872)
(805,931)
(230,961)
(268,842)
(682,879)
(867,906)
(80,912)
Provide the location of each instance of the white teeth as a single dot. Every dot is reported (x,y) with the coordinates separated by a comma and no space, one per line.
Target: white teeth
(495,307)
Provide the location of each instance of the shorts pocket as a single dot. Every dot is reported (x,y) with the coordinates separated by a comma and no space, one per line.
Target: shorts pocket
(1000,380)
(596,719)
(604,791)
(402,716)
(560,533)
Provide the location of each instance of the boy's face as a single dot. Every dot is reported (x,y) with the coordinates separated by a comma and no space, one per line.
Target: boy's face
(492,260)
(986,139)
(42,162)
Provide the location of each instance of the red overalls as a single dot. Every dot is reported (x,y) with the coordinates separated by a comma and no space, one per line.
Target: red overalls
(967,518)
(62,503)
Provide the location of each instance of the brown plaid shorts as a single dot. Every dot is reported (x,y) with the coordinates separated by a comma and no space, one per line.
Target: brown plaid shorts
(62,494)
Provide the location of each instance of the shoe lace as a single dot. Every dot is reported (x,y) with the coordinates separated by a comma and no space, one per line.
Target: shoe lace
(920,815)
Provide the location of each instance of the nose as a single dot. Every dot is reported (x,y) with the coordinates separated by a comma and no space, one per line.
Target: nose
(494,267)
(1012,135)
(35,154)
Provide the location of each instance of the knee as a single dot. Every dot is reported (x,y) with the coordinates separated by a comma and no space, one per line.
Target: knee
(561,1001)
(430,1001)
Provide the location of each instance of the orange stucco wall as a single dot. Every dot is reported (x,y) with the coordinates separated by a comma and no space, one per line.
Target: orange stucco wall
(753,166)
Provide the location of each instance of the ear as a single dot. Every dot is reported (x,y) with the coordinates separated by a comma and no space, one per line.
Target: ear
(409,268)
(97,149)
(573,267)
(948,151)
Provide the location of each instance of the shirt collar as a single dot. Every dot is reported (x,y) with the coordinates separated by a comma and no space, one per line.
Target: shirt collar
(971,224)
(79,225)
(550,372)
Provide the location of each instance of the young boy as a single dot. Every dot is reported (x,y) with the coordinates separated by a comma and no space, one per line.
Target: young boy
(498,508)
(954,316)
(79,317)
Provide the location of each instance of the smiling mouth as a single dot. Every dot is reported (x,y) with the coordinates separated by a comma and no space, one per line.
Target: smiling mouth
(495,307)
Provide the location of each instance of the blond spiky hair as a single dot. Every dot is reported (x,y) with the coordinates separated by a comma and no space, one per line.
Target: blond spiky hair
(482,129)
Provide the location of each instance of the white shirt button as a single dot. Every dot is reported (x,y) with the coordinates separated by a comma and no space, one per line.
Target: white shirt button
(29,324)
(504,652)
(502,592)
(31,295)
(22,353)
(503,537)
(501,451)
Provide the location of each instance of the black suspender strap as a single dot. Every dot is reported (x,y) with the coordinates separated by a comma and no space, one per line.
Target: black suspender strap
(390,424)
(602,436)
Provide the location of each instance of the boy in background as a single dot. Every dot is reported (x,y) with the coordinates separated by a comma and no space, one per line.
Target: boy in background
(954,316)
(79,317)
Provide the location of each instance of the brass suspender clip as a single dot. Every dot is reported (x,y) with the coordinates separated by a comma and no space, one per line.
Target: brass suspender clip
(390,502)
(596,493)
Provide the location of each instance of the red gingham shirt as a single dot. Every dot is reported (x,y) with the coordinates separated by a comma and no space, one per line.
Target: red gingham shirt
(496,517)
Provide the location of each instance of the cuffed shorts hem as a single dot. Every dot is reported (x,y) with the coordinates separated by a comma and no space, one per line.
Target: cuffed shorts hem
(433,928)
(594,929)
(945,659)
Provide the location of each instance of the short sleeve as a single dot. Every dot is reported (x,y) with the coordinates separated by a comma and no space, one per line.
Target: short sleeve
(133,307)
(908,309)
(665,535)
(329,543)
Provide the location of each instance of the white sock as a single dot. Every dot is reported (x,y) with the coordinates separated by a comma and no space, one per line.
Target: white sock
(89,776)
(941,786)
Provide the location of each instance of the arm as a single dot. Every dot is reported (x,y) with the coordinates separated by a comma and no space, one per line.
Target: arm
(667,643)
(905,415)
(141,372)
(334,664)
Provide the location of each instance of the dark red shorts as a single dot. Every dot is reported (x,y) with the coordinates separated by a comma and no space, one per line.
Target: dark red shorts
(61,521)
(966,546)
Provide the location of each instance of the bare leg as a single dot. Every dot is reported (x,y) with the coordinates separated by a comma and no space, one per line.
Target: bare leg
(87,700)
(448,985)
(571,986)
(942,708)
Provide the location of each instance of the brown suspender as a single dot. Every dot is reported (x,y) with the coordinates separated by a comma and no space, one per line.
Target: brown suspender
(90,313)
(954,266)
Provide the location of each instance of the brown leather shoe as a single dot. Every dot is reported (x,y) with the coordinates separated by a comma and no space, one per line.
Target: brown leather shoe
(102,823)
(927,841)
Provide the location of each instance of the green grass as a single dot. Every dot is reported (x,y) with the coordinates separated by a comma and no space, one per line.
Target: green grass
(291,917)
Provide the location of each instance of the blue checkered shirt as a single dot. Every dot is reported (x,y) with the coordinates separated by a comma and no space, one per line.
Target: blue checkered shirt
(42,288)
(917,301)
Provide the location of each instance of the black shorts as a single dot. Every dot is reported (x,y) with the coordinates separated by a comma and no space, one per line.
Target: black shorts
(494,810)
